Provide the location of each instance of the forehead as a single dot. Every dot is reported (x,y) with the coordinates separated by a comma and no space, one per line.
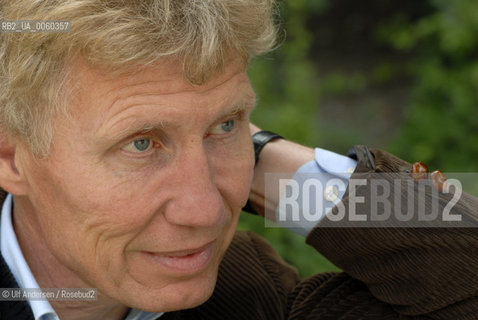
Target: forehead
(164,79)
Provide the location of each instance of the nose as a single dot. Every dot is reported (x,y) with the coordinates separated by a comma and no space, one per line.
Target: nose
(197,202)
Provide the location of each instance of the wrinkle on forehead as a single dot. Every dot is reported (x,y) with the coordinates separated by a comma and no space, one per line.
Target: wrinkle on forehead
(167,76)
(92,87)
(167,70)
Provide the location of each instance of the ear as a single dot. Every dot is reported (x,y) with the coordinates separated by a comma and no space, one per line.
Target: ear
(12,179)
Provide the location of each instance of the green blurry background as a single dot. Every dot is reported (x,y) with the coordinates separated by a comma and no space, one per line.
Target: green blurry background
(399,75)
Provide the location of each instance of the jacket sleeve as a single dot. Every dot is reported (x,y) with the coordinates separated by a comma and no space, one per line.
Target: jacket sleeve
(411,271)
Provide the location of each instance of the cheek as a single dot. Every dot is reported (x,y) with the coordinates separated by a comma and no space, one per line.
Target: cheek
(88,229)
(99,196)
(234,172)
(87,212)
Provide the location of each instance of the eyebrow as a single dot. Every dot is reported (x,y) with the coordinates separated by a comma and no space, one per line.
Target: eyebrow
(133,126)
(246,103)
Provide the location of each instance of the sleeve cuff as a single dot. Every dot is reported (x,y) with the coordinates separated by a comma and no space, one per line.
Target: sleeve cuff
(313,190)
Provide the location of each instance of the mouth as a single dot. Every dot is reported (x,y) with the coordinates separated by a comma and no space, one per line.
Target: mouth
(187,261)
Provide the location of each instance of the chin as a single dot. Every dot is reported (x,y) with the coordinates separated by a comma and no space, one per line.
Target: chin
(190,301)
(181,295)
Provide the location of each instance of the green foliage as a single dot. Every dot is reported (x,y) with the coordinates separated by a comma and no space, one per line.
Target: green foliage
(442,120)
(338,83)
(286,81)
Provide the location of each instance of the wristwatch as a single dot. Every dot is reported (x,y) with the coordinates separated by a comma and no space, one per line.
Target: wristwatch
(260,139)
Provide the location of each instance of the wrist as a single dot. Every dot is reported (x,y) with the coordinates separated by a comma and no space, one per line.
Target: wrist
(280,157)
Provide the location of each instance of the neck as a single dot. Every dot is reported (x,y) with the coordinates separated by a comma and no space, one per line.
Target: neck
(49,272)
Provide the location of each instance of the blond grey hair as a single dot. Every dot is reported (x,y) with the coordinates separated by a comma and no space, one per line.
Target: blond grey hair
(117,35)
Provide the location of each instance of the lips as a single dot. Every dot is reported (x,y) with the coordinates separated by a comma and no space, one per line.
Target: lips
(184,261)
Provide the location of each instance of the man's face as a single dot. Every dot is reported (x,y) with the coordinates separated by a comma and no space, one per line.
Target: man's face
(141,193)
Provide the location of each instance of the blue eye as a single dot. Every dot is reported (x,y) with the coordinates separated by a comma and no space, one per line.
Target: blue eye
(139,145)
(227,126)
(223,127)
(142,144)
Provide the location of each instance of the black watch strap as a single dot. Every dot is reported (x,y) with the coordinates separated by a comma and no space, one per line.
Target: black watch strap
(260,139)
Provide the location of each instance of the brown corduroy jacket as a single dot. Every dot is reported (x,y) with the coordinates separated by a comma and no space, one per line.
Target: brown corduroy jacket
(389,273)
